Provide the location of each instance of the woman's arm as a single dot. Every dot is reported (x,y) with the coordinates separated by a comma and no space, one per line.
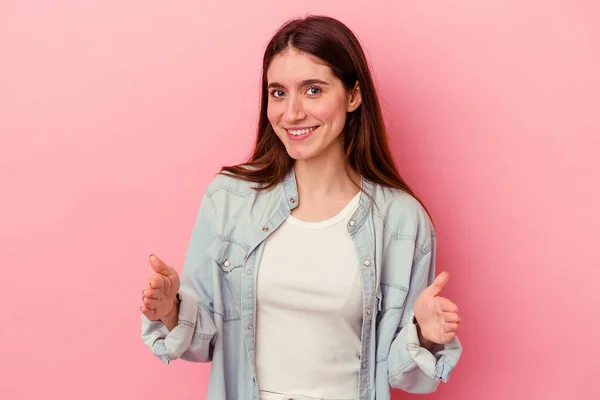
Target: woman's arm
(188,332)
(415,364)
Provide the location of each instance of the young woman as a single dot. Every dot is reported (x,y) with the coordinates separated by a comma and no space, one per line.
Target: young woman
(310,270)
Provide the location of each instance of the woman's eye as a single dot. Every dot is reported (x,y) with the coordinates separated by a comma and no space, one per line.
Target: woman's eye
(314,90)
(277,93)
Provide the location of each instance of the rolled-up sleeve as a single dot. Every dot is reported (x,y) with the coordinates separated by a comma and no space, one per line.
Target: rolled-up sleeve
(190,340)
(193,337)
(411,367)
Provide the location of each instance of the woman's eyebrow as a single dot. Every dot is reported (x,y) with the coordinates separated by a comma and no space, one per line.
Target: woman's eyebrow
(303,83)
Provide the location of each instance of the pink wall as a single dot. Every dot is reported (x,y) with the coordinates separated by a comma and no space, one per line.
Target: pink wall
(114,115)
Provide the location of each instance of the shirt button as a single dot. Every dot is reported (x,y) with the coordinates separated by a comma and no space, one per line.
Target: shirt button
(363,365)
(367,263)
(227,263)
(248,271)
(250,327)
(352,222)
(265,228)
(368,311)
(293,200)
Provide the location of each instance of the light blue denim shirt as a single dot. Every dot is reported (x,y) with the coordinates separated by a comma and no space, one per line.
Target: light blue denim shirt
(395,243)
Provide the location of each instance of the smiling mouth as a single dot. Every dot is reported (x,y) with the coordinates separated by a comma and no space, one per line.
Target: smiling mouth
(301,132)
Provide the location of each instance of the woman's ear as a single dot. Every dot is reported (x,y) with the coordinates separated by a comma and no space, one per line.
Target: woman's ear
(354,98)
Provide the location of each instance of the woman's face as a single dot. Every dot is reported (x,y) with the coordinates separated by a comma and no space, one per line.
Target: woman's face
(307,105)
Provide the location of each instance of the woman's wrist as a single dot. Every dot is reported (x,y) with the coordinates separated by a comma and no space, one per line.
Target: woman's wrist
(172,318)
(427,344)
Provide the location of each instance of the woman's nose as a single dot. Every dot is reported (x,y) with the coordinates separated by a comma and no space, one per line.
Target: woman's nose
(294,110)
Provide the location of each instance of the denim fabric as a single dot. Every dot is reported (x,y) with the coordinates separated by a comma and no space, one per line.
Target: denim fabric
(395,243)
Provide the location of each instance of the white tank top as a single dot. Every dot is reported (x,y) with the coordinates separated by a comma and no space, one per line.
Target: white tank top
(309,310)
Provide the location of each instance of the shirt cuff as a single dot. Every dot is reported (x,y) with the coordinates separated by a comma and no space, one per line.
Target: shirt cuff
(171,345)
(437,363)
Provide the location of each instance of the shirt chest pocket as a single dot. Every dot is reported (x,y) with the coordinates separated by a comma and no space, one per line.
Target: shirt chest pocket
(392,297)
(228,261)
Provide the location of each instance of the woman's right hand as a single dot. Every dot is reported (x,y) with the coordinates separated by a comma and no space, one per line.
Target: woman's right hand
(159,298)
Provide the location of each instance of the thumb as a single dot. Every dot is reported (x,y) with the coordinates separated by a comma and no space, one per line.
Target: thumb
(438,284)
(158,265)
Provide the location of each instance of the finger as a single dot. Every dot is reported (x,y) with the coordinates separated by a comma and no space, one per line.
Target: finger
(150,303)
(450,327)
(438,284)
(447,306)
(151,293)
(158,265)
(448,337)
(157,281)
(451,317)
(148,313)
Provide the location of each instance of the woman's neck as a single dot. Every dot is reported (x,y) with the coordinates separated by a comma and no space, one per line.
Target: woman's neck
(324,188)
(326,177)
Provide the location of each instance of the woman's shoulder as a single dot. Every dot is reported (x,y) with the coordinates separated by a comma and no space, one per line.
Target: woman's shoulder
(397,200)
(401,211)
(228,183)
(239,207)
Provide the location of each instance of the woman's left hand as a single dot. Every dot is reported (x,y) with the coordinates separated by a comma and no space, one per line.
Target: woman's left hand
(437,317)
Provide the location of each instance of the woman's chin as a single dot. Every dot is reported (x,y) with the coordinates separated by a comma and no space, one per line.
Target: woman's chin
(298,154)
(299,157)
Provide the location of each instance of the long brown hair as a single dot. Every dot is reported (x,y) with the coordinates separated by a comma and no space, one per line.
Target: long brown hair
(365,137)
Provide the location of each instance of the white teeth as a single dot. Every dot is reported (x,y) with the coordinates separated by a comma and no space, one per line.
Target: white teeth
(301,131)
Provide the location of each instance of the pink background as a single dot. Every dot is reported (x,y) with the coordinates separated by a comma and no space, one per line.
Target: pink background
(114,115)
